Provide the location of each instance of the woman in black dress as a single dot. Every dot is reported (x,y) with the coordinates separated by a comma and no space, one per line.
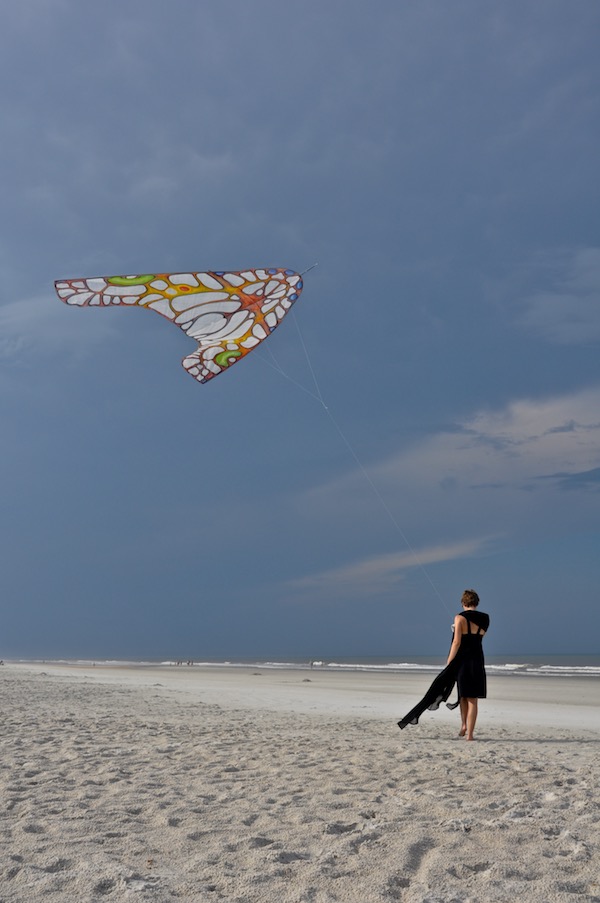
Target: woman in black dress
(465,667)
(467,651)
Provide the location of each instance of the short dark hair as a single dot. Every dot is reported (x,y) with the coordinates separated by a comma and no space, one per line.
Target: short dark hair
(470,598)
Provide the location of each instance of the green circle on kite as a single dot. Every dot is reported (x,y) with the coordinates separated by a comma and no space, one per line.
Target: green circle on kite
(225,358)
(130,280)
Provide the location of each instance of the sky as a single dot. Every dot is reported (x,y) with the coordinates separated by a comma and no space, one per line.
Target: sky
(427,418)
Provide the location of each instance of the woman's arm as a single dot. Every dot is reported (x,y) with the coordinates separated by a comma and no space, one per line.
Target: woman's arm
(458,625)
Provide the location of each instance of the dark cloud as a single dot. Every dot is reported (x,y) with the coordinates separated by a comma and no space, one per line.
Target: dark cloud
(583,480)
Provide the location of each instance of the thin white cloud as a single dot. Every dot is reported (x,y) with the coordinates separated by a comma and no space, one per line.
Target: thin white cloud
(379,573)
(501,473)
(526,439)
(569,313)
(522,441)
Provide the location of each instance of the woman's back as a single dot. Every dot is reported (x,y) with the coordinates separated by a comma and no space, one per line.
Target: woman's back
(477,619)
(471,677)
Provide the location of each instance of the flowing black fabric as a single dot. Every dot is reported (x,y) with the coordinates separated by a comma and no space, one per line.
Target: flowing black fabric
(438,692)
(467,669)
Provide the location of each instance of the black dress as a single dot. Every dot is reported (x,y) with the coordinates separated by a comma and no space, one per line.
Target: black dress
(467,669)
(471,678)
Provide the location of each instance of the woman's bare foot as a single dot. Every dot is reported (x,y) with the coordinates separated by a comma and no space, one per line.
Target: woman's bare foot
(462,731)
(470,738)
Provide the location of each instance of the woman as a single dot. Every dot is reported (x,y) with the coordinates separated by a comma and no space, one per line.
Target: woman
(467,650)
(465,666)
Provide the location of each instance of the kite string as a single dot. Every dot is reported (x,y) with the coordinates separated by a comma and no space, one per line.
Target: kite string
(319,397)
(277,367)
(308,361)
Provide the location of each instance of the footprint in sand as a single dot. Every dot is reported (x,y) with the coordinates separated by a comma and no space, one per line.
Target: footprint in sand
(59,865)
(396,886)
(105,886)
(339,828)
(258,842)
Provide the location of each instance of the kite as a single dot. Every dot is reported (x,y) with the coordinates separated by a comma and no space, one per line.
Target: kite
(227,313)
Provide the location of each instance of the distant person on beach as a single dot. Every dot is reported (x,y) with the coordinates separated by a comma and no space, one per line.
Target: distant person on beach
(465,667)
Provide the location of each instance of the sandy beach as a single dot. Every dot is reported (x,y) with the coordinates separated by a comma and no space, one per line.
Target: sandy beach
(256,785)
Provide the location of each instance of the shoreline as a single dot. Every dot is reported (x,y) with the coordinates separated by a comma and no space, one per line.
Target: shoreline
(566,703)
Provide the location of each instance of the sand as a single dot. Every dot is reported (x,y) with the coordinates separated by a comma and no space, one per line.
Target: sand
(192,784)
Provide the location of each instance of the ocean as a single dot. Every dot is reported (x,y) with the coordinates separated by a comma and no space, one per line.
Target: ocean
(514,665)
(538,665)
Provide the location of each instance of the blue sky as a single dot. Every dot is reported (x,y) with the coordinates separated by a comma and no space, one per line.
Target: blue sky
(440,162)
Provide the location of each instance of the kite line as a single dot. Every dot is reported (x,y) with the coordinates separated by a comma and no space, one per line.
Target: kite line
(317,395)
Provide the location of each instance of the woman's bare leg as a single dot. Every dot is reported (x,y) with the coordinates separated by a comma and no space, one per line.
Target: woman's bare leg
(471,717)
(463,717)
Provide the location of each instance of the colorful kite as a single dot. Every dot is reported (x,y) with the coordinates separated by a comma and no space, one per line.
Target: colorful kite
(227,313)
